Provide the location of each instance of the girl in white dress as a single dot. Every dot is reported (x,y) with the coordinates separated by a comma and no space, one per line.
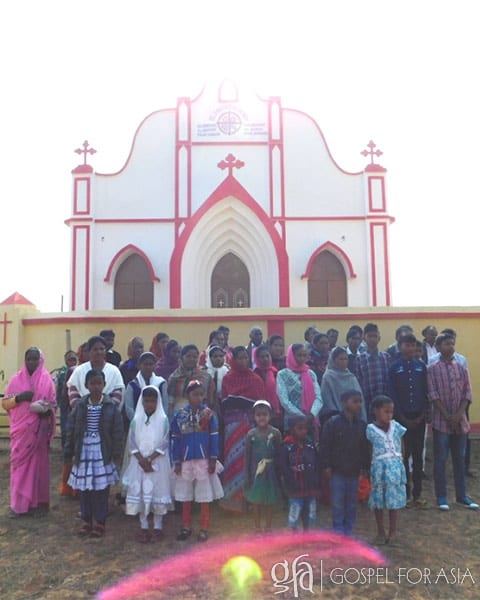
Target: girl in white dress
(147,475)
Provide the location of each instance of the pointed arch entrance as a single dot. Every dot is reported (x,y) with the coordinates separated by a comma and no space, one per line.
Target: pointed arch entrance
(230,283)
(133,286)
(229,221)
(327,282)
(228,226)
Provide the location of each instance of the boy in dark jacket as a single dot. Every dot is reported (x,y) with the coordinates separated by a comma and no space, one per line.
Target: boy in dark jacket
(344,453)
(298,467)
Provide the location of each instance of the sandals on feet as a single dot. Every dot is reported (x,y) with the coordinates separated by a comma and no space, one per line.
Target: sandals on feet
(203,535)
(143,536)
(184,534)
(98,531)
(158,535)
(85,529)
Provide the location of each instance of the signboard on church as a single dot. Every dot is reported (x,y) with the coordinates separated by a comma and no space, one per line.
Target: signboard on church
(230,122)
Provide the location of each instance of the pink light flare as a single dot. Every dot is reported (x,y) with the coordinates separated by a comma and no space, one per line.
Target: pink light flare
(207,560)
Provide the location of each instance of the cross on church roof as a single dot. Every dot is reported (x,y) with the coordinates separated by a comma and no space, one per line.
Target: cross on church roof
(371,152)
(86,150)
(230,163)
(373,166)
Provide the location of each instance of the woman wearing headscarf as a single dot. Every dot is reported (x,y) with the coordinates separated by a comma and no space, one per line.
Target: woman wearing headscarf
(181,377)
(30,403)
(169,361)
(241,387)
(129,368)
(336,381)
(268,373)
(217,369)
(216,338)
(297,386)
(160,340)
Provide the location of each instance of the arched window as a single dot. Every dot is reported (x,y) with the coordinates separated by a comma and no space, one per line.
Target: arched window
(327,284)
(133,284)
(230,283)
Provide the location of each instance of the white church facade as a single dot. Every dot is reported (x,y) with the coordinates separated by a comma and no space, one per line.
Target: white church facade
(229,200)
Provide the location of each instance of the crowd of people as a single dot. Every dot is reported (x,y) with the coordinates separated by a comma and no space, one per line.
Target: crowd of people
(249,426)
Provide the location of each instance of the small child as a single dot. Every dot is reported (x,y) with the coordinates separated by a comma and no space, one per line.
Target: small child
(420,351)
(387,472)
(298,465)
(147,475)
(94,439)
(261,448)
(195,452)
(344,454)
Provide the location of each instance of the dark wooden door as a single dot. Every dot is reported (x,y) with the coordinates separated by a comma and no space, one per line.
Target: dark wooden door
(133,285)
(230,285)
(327,285)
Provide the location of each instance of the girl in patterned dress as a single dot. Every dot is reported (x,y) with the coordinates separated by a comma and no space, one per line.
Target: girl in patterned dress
(94,440)
(387,472)
(261,487)
(194,432)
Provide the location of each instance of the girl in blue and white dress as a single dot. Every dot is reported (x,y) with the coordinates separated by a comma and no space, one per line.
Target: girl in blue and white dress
(94,440)
(387,473)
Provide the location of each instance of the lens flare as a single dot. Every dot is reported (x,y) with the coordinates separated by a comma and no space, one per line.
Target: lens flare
(243,561)
(241,573)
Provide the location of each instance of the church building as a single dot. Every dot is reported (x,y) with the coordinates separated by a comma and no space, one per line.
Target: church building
(229,200)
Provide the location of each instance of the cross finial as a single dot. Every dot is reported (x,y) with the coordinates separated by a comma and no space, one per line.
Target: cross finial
(373,166)
(85,150)
(230,163)
(371,152)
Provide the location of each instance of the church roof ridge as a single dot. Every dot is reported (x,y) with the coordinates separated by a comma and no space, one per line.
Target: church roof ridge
(16,298)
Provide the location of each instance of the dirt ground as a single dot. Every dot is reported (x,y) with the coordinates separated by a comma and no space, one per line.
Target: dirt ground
(44,558)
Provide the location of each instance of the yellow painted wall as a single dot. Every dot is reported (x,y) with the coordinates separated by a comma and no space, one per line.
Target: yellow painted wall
(48,331)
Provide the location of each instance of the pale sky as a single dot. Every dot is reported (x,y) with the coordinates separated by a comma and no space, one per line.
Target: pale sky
(404,74)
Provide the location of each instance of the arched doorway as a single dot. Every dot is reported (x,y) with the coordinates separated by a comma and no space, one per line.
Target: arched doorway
(327,284)
(230,284)
(133,284)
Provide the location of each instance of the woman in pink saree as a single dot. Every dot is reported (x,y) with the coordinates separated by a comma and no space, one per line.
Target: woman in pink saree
(31,410)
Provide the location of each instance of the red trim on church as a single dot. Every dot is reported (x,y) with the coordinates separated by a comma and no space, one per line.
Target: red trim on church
(82,169)
(385,265)
(279,321)
(229,187)
(76,228)
(124,253)
(276,326)
(371,207)
(76,210)
(16,298)
(336,250)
